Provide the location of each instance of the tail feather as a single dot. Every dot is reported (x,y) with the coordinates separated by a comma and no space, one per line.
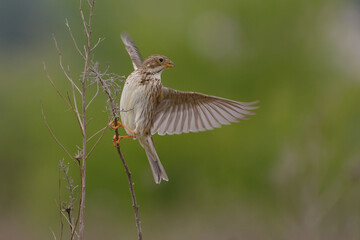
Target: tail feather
(157,168)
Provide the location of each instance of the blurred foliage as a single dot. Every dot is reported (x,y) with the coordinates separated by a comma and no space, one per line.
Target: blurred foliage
(291,172)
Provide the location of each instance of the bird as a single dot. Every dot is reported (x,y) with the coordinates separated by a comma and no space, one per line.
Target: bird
(147,107)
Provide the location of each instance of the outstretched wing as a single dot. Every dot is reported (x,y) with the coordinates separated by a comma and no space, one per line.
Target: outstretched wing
(183,112)
(132,50)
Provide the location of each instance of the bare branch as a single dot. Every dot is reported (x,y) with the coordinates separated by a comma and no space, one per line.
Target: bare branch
(87,28)
(69,181)
(85,24)
(54,86)
(95,95)
(55,138)
(107,82)
(62,66)
(69,207)
(70,224)
(84,48)
(96,143)
(76,110)
(128,173)
(106,90)
(132,191)
(103,129)
(67,101)
(97,43)
(72,37)
(52,231)
(61,222)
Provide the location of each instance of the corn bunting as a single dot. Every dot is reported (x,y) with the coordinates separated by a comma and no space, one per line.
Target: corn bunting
(147,107)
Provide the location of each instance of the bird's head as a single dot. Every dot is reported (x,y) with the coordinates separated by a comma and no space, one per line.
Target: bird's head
(157,63)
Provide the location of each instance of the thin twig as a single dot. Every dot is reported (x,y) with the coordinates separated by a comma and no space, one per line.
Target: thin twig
(76,107)
(69,208)
(97,43)
(96,143)
(55,138)
(61,222)
(56,89)
(85,24)
(62,66)
(95,95)
(128,173)
(52,231)
(72,37)
(132,191)
(69,222)
(88,30)
(106,90)
(103,129)
(67,101)
(69,181)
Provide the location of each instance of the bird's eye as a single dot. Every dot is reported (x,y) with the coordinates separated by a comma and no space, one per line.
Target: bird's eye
(161,59)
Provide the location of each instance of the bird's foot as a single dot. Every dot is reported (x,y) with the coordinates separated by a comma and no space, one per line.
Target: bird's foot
(115,125)
(116,139)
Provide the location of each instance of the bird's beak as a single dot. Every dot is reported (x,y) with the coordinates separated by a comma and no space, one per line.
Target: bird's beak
(170,64)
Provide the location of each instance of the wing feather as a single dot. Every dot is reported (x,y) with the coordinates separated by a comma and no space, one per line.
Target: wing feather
(197,126)
(169,120)
(163,122)
(192,118)
(132,50)
(221,114)
(204,116)
(184,127)
(237,107)
(172,120)
(228,112)
(182,112)
(214,122)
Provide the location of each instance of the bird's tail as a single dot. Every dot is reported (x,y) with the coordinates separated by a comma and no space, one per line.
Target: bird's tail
(157,168)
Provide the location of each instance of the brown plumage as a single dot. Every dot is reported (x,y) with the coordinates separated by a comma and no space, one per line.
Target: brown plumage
(147,107)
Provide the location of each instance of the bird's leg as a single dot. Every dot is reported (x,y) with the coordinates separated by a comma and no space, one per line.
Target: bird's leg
(118,124)
(116,140)
(115,125)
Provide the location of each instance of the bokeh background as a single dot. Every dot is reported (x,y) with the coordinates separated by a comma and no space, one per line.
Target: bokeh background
(291,172)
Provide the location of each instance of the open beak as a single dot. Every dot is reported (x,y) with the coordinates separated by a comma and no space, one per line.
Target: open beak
(170,64)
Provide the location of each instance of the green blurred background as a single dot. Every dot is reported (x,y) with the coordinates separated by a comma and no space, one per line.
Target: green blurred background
(291,172)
